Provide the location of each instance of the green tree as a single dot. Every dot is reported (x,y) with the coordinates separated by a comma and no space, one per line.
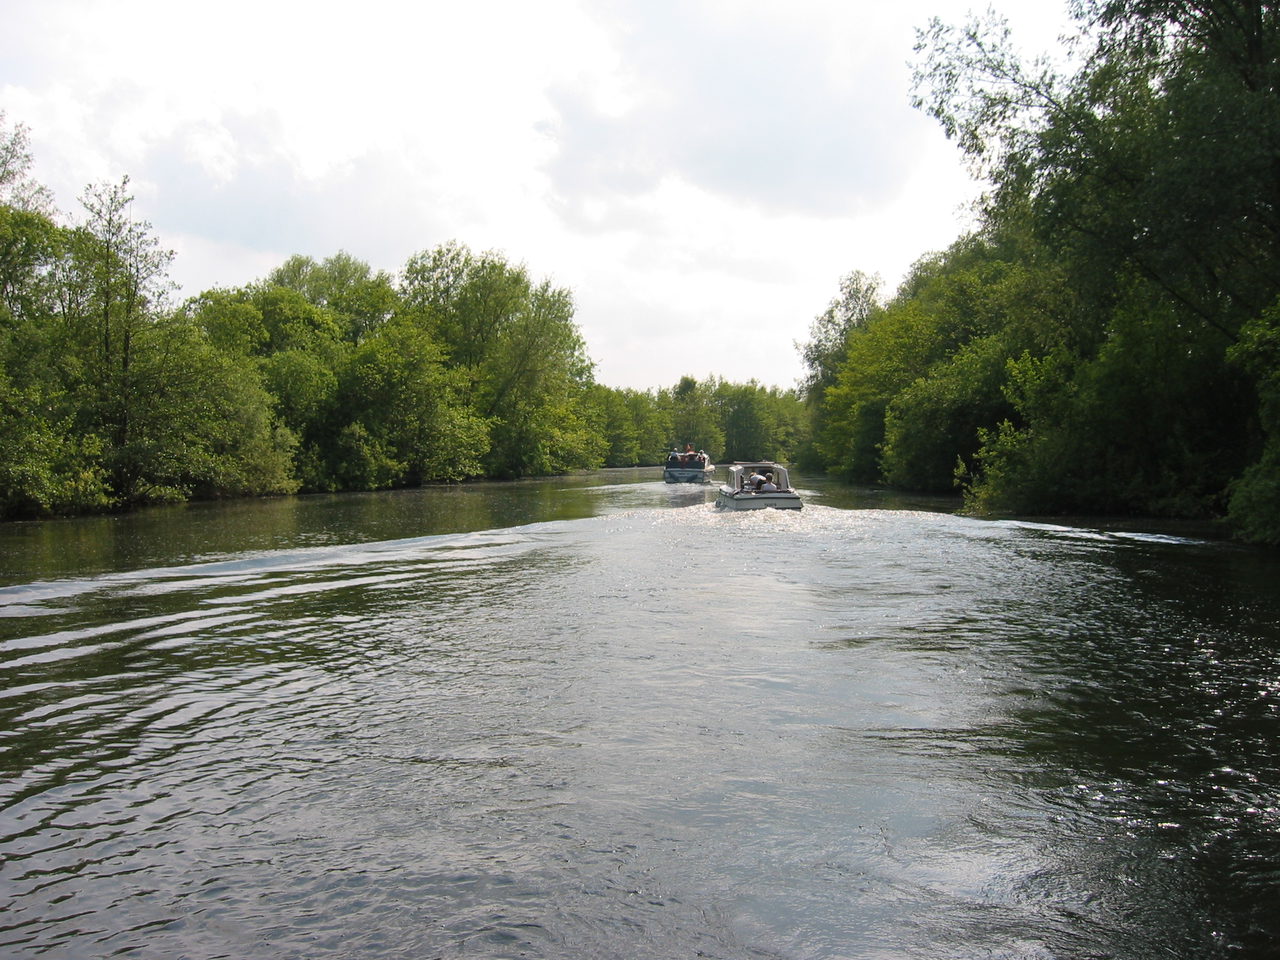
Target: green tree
(47,465)
(299,349)
(883,358)
(17,187)
(114,284)
(398,389)
(934,425)
(694,417)
(987,301)
(208,427)
(653,424)
(520,357)
(467,300)
(615,420)
(1147,177)
(759,423)
(857,301)
(823,353)
(358,298)
(1254,506)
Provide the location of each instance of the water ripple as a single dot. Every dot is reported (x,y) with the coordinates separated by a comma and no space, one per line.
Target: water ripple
(664,731)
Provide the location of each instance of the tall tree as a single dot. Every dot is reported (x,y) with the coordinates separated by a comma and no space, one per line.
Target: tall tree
(408,405)
(300,350)
(694,417)
(359,299)
(857,301)
(117,275)
(18,189)
(823,353)
(1150,177)
(519,351)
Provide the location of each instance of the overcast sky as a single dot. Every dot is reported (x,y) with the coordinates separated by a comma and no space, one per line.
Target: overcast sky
(700,173)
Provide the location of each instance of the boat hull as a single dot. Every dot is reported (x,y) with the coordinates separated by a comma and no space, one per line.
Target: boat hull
(689,474)
(746,500)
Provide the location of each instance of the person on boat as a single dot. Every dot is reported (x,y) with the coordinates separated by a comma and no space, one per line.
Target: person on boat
(768,486)
(755,480)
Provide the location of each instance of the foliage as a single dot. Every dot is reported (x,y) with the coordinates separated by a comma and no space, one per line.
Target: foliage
(359,299)
(520,359)
(882,359)
(324,375)
(401,394)
(207,426)
(934,422)
(1105,342)
(44,466)
(17,189)
(857,301)
(694,418)
(1255,497)
(730,421)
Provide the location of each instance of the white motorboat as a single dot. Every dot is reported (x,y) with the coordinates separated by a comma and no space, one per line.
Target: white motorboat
(757,486)
(688,467)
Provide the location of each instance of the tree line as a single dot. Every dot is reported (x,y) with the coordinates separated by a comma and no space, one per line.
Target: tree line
(1107,341)
(326,375)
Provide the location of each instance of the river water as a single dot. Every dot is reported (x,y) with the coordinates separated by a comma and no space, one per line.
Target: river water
(597,717)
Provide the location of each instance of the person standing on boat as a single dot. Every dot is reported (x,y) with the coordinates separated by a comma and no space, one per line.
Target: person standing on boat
(755,480)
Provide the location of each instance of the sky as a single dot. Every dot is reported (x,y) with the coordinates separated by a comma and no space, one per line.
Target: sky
(699,173)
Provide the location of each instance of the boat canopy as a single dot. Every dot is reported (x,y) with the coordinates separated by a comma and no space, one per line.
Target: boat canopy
(740,472)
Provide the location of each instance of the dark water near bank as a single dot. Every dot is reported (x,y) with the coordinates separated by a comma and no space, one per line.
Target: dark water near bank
(597,718)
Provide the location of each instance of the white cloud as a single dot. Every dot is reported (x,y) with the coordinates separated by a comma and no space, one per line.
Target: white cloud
(699,173)
(772,108)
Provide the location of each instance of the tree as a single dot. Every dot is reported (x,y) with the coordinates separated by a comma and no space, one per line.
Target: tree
(360,300)
(208,427)
(17,189)
(1148,179)
(397,388)
(1254,506)
(29,239)
(694,417)
(114,284)
(759,423)
(466,299)
(1158,157)
(933,425)
(47,464)
(297,351)
(823,353)
(46,467)
(857,301)
(521,359)
(882,359)
(615,420)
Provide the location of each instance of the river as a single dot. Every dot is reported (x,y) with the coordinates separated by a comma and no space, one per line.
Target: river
(595,717)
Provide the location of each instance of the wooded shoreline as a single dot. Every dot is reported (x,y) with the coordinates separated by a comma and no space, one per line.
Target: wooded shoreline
(1105,342)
